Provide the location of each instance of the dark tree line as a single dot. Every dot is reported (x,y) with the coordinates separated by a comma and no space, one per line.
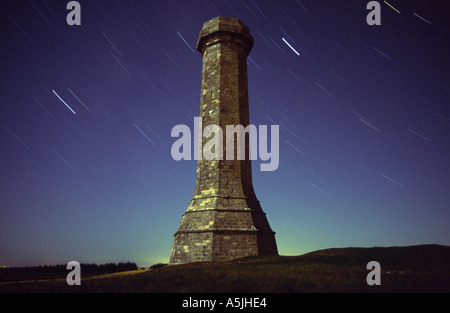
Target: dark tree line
(59,271)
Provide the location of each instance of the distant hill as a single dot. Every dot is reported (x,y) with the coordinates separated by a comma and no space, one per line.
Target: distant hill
(421,268)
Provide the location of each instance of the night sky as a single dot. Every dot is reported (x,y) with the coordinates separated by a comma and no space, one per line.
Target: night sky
(86,114)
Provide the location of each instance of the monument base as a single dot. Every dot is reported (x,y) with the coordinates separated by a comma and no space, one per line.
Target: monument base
(220,245)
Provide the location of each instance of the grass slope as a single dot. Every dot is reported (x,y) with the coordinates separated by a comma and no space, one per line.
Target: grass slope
(423,268)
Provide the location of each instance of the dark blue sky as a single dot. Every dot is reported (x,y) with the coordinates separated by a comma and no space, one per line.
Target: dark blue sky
(364,115)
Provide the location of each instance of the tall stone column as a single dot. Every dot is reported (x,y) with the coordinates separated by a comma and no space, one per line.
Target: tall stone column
(224,219)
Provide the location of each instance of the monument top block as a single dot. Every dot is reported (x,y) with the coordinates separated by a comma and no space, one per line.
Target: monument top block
(217,29)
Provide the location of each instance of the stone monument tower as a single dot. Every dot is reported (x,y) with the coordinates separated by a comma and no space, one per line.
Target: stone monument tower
(224,219)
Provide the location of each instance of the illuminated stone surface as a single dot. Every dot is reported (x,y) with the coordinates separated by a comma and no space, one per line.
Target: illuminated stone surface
(224,219)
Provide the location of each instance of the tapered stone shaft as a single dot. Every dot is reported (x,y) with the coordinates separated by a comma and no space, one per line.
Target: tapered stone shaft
(224,219)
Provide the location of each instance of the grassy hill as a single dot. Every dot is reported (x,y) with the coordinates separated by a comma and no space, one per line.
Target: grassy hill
(422,268)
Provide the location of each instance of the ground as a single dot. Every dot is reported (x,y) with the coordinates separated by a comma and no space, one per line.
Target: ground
(423,268)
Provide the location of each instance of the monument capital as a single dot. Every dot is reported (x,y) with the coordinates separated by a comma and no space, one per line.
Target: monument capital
(222,29)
